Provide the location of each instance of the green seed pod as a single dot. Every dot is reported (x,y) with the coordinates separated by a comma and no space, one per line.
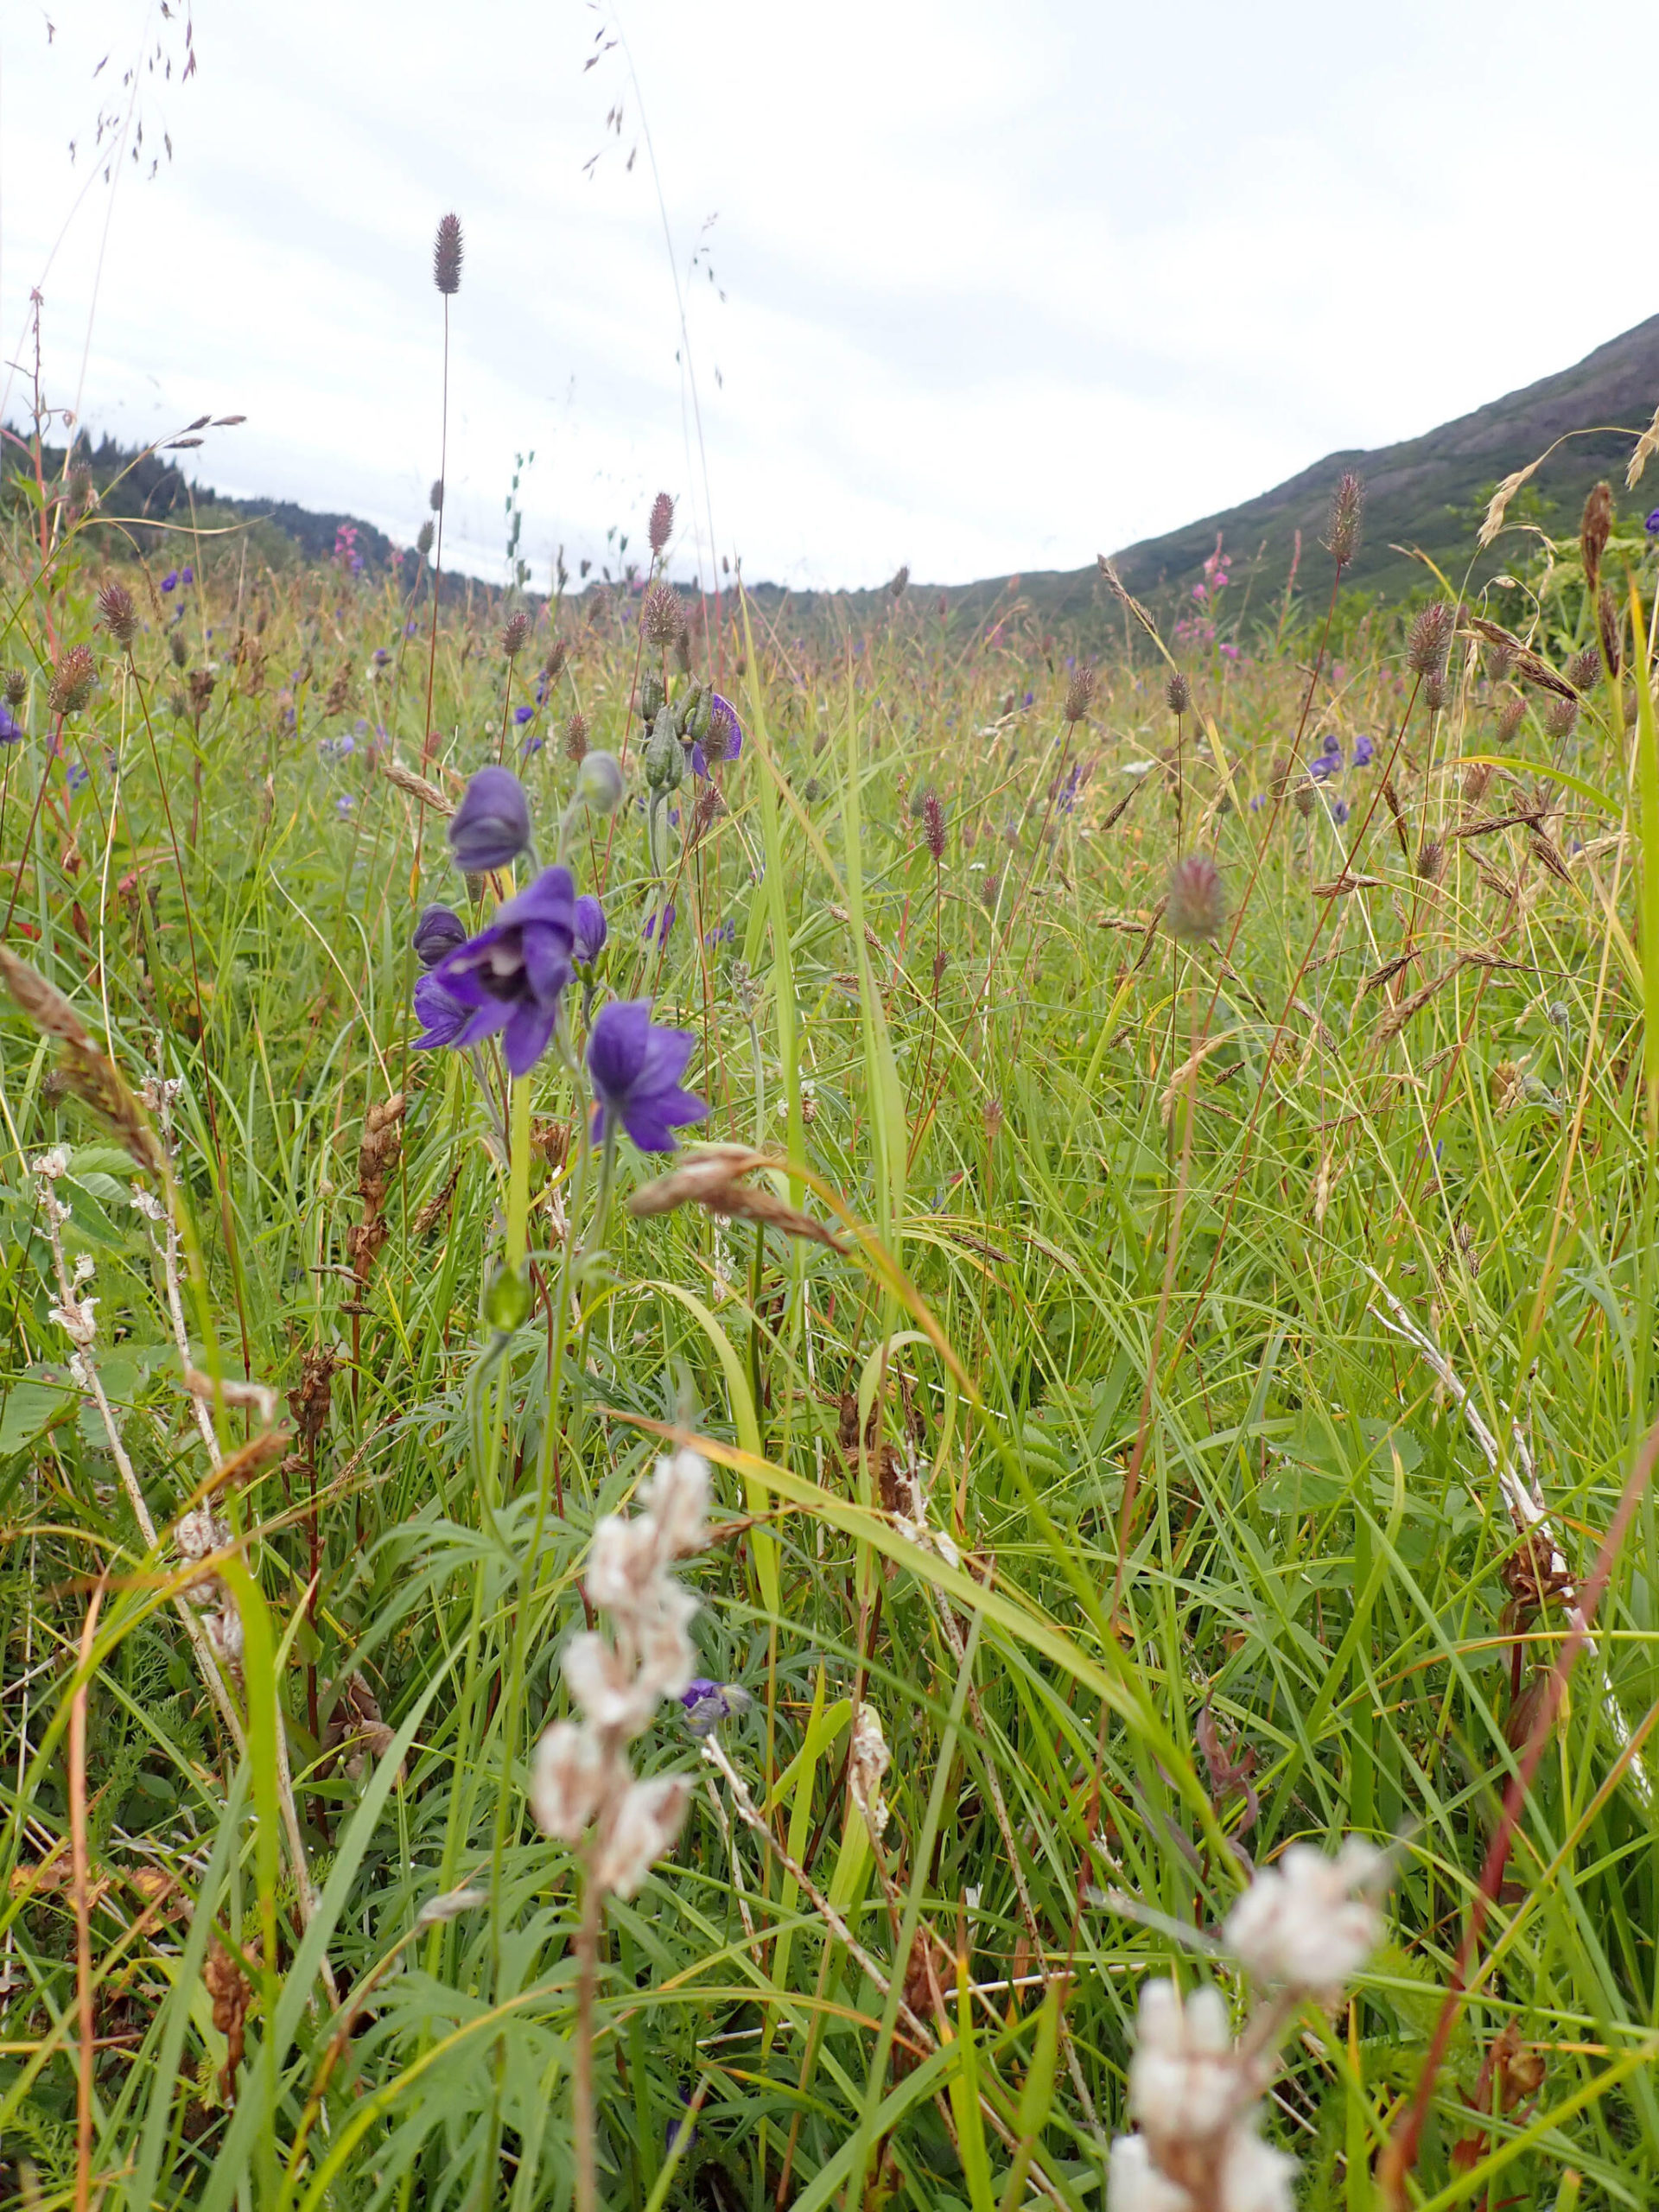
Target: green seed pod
(652,696)
(664,757)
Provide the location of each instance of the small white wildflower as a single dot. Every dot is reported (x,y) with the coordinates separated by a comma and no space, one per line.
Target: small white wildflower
(1134,2184)
(51,1165)
(869,1761)
(1307,1921)
(74,1318)
(1254,2176)
(569,1776)
(146,1203)
(85,1268)
(1184,2079)
(645,1822)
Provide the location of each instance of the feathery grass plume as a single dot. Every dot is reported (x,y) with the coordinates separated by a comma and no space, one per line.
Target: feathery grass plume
(933,826)
(1499,659)
(661,526)
(558,653)
(515,633)
(1527,665)
(90,1074)
(1594,531)
(901,583)
(1610,620)
(1431,860)
(662,617)
(1429,640)
(445,256)
(1476,777)
(1179,692)
(435,497)
(1584,670)
(1646,445)
(72,679)
(405,780)
(1197,906)
(118,613)
(14,683)
(1498,506)
(713,1177)
(1513,714)
(1561,717)
(575,737)
(1347,507)
(1080,691)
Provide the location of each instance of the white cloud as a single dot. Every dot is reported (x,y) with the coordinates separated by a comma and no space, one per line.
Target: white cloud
(1006,282)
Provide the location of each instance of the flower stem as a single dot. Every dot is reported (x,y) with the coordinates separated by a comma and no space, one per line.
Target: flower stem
(587,1983)
(518,1175)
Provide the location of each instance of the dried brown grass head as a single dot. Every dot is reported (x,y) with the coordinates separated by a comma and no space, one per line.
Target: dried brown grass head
(1080,691)
(714,1177)
(86,1072)
(72,680)
(1347,506)
(661,526)
(1610,622)
(515,633)
(118,613)
(575,737)
(14,683)
(1594,532)
(662,617)
(1177,691)
(1430,639)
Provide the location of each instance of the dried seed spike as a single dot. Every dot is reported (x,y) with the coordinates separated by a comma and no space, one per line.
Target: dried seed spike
(446,258)
(661,526)
(1594,531)
(72,681)
(88,1072)
(1079,692)
(1609,618)
(1347,505)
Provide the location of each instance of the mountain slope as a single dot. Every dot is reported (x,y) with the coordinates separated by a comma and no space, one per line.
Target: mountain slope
(1423,492)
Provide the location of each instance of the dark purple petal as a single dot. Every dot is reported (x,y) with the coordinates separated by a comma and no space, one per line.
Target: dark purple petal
(439,932)
(491,827)
(617,1047)
(591,929)
(528,1031)
(441,1015)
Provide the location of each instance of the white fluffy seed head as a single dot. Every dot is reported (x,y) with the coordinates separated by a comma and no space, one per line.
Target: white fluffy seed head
(1309,1922)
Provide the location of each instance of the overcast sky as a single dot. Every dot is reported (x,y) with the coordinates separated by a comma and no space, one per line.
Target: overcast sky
(997,284)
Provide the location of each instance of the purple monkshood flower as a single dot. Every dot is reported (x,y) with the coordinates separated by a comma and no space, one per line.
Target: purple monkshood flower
(636,1069)
(78,776)
(11,730)
(169,582)
(1651,525)
(723,713)
(591,930)
(707,1704)
(186,575)
(441,1015)
(344,805)
(668,922)
(491,827)
(522,715)
(1339,810)
(513,974)
(722,933)
(439,932)
(1364,750)
(381,656)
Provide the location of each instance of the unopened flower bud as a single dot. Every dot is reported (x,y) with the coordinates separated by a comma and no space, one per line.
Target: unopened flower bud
(438,932)
(652,696)
(665,756)
(599,782)
(491,827)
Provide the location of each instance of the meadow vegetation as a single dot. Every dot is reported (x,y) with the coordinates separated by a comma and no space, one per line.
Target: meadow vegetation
(1159,1279)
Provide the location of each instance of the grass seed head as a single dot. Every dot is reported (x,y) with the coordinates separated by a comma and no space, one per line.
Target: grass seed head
(423,537)
(1584,670)
(1436,691)
(1347,506)
(661,526)
(933,826)
(118,613)
(1431,860)
(901,583)
(1430,640)
(575,737)
(558,653)
(1594,531)
(1197,905)
(72,680)
(14,683)
(1510,717)
(515,633)
(1561,717)
(435,497)
(1476,777)
(1080,692)
(446,255)
(1179,692)
(662,617)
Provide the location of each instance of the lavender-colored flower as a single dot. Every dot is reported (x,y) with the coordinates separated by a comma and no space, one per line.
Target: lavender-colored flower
(725,736)
(667,921)
(344,805)
(441,1015)
(11,730)
(169,582)
(491,827)
(1339,811)
(186,575)
(513,974)
(1364,750)
(76,776)
(591,930)
(1651,525)
(381,657)
(636,1069)
(722,933)
(439,932)
(707,1703)
(522,715)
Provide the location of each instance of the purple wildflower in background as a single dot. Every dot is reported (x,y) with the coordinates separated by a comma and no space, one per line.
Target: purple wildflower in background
(530,747)
(513,974)
(186,575)
(169,582)
(381,656)
(77,776)
(707,1704)
(441,1015)
(411,629)
(522,715)
(491,827)
(636,1069)
(722,933)
(11,730)
(1651,525)
(439,932)
(725,736)
(1339,810)
(591,930)
(668,922)
(1364,750)
(1029,696)
(344,805)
